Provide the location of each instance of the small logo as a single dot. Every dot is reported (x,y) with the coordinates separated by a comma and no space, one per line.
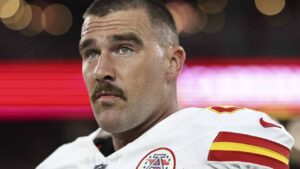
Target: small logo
(160,158)
(267,124)
(101,166)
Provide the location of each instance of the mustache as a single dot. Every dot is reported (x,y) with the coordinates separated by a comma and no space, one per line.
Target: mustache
(107,88)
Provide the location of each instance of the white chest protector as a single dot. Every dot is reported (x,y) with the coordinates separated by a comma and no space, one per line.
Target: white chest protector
(192,138)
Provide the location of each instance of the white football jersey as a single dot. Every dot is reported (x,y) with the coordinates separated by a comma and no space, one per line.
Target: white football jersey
(192,138)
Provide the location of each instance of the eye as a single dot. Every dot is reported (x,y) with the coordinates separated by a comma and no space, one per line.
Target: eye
(90,54)
(124,50)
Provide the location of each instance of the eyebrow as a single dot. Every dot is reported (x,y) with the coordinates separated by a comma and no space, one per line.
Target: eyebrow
(86,43)
(119,37)
(127,37)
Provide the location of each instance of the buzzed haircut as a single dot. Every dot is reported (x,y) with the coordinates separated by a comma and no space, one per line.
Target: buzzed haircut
(160,17)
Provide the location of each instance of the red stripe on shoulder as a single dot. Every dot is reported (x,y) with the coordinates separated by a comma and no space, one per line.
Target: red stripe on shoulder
(252,140)
(234,156)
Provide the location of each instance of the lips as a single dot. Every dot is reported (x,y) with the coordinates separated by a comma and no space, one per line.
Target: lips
(105,94)
(106,98)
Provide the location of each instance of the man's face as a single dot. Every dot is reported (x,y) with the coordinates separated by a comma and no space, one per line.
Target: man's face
(124,68)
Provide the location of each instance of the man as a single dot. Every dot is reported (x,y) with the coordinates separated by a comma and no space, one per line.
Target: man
(130,62)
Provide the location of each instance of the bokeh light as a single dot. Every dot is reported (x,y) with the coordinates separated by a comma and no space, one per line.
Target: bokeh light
(35,26)
(215,15)
(212,6)
(9,7)
(174,9)
(215,22)
(56,19)
(187,18)
(280,19)
(20,19)
(270,7)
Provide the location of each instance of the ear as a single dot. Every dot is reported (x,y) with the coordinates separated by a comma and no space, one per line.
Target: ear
(176,61)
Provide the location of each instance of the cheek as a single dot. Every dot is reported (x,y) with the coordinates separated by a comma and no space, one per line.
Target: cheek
(148,77)
(88,78)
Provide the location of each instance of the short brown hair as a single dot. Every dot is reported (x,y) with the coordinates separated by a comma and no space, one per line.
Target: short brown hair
(159,15)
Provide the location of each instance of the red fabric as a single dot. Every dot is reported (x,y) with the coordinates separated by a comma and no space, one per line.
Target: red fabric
(225,109)
(246,157)
(252,140)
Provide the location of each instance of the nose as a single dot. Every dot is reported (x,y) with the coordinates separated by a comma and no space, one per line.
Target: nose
(105,69)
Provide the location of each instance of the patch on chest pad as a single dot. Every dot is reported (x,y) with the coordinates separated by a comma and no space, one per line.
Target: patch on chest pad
(160,158)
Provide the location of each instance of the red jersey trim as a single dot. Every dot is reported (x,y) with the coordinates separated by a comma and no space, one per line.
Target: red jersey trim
(252,140)
(246,157)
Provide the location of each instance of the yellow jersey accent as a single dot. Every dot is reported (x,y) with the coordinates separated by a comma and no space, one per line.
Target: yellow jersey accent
(231,146)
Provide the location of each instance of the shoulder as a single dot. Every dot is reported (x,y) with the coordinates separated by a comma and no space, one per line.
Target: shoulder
(75,152)
(249,138)
(254,123)
(233,119)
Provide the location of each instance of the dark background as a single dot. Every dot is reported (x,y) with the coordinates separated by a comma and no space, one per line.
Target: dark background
(245,35)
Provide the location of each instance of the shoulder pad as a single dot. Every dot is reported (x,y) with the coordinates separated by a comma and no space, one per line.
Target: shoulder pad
(250,138)
(71,155)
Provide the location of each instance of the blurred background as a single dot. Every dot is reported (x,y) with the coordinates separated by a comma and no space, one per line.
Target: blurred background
(243,53)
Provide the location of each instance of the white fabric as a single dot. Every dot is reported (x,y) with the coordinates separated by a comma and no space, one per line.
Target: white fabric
(188,133)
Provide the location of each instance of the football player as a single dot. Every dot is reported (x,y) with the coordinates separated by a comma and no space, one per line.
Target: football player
(131,58)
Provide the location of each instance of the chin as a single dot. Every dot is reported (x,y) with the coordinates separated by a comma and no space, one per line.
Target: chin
(112,128)
(109,121)
(115,125)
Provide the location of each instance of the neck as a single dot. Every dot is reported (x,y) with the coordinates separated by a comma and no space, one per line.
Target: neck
(122,139)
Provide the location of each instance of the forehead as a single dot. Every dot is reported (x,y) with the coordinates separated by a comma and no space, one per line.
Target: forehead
(132,20)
